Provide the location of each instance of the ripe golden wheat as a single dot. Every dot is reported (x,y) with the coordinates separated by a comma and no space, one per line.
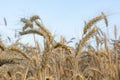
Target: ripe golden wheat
(58,60)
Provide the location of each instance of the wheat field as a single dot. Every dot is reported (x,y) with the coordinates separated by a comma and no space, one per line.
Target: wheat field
(58,60)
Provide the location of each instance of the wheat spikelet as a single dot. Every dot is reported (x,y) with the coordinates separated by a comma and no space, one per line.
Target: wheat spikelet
(34,18)
(48,39)
(7,67)
(9,57)
(64,47)
(85,39)
(21,52)
(90,48)
(93,21)
(95,70)
(19,76)
(45,60)
(32,32)
(46,31)
(27,22)
(42,27)
(105,19)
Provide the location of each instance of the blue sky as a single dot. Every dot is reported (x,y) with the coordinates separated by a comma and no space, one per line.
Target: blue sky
(61,17)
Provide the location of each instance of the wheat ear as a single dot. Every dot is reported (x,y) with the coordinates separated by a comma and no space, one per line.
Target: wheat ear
(93,21)
(83,42)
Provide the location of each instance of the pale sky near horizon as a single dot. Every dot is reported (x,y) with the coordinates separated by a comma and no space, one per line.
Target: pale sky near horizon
(61,17)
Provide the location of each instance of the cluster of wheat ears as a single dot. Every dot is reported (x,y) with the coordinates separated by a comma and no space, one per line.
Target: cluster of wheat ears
(58,61)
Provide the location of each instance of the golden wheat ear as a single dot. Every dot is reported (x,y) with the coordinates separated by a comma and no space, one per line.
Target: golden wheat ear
(105,19)
(94,21)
